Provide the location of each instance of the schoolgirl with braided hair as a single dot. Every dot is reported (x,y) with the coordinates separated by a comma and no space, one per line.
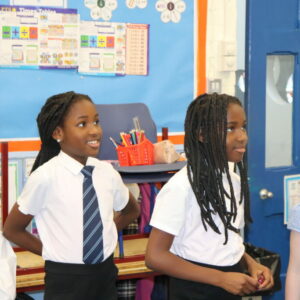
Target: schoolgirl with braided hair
(72,196)
(201,210)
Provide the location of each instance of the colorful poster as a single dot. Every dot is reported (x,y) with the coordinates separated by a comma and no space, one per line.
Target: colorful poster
(102,48)
(38,37)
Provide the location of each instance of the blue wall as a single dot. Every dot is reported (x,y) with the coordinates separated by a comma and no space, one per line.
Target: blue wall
(167,90)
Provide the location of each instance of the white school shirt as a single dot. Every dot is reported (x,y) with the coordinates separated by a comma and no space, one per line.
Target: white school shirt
(53,195)
(177,212)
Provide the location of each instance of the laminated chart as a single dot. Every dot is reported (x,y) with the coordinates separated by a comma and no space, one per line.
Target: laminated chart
(113,48)
(137,49)
(38,37)
(102,48)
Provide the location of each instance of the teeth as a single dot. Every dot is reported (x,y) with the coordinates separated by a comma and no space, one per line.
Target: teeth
(92,142)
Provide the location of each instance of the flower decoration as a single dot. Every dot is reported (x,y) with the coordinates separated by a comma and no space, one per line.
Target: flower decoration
(170,10)
(138,3)
(101,9)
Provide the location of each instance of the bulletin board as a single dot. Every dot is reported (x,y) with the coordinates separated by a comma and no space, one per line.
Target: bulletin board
(167,89)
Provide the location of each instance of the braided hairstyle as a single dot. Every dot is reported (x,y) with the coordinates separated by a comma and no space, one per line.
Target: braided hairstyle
(52,115)
(205,149)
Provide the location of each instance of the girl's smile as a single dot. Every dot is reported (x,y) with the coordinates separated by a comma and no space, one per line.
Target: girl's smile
(94,143)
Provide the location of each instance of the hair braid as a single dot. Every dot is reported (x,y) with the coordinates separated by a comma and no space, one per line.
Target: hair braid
(205,148)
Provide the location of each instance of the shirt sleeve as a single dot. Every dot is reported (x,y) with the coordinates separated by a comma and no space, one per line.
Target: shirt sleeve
(170,209)
(32,198)
(121,192)
(294,218)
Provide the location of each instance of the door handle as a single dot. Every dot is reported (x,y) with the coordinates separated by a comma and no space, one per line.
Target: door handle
(265,194)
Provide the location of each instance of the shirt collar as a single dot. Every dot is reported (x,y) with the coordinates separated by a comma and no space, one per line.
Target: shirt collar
(72,164)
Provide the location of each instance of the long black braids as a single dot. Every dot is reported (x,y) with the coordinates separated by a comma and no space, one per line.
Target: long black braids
(205,149)
(52,114)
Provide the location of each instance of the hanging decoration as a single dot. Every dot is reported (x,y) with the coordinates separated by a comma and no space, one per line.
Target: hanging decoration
(170,10)
(101,9)
(136,3)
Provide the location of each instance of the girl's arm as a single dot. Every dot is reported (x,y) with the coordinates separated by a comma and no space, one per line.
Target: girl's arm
(259,272)
(292,285)
(15,231)
(129,213)
(159,258)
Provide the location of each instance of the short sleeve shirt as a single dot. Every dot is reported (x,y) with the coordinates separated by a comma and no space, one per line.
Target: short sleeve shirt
(53,195)
(294,218)
(178,213)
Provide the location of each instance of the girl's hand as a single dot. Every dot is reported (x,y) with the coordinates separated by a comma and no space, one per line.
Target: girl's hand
(263,275)
(260,273)
(239,283)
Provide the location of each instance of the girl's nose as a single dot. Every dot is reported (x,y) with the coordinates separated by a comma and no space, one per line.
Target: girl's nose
(95,129)
(242,134)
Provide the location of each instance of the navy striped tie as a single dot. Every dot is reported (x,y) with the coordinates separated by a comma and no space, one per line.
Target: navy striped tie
(92,224)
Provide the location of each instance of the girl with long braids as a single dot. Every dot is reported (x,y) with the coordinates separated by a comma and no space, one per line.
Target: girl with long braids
(72,196)
(201,210)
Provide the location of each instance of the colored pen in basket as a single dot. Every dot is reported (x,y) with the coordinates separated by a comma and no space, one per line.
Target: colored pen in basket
(133,137)
(113,141)
(122,135)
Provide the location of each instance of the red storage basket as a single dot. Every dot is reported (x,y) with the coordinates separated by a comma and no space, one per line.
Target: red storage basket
(139,154)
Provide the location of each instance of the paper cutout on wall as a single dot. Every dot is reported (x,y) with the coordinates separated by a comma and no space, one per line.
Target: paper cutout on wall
(170,10)
(101,9)
(136,3)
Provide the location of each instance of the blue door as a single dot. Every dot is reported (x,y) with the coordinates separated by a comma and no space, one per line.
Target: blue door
(273,109)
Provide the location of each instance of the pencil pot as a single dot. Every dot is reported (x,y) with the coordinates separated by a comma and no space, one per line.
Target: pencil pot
(139,154)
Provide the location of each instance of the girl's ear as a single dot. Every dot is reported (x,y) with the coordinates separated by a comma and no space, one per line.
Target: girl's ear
(58,134)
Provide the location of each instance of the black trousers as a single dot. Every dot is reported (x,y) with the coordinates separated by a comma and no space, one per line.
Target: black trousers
(80,281)
(180,289)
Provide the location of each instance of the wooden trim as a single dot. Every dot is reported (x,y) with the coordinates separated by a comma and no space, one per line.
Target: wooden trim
(132,258)
(4,180)
(201,46)
(135,236)
(23,271)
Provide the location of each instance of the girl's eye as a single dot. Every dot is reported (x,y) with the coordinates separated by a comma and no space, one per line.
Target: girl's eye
(96,122)
(231,129)
(82,124)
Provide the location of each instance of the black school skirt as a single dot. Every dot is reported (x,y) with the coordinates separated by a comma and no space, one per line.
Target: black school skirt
(190,290)
(80,281)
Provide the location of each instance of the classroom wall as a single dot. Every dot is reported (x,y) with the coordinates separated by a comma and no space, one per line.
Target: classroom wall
(167,89)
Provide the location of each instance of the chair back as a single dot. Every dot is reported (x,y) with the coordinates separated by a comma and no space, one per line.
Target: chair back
(115,118)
